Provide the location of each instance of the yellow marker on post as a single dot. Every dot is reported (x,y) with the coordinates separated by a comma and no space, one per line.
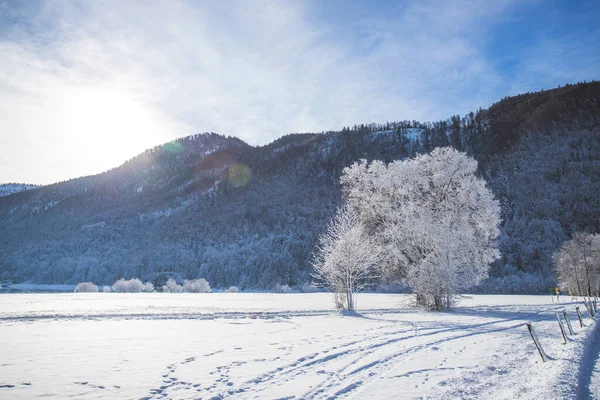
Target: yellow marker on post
(557,291)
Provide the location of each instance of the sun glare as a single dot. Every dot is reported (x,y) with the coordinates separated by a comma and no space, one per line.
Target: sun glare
(106,126)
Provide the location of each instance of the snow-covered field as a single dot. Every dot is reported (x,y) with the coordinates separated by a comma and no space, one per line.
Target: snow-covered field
(273,346)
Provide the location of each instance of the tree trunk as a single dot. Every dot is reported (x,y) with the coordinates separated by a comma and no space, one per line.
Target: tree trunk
(350,300)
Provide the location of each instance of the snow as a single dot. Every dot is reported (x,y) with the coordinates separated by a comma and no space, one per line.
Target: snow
(11,188)
(186,346)
(414,134)
(101,224)
(589,378)
(377,134)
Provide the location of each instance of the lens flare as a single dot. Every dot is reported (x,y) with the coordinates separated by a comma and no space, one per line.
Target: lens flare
(239,175)
(173,147)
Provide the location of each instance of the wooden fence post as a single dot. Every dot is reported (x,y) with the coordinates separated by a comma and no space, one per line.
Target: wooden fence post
(588,305)
(562,328)
(536,341)
(568,322)
(579,316)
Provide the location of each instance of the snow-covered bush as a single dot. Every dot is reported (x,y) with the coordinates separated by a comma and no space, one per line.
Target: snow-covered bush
(86,287)
(172,287)
(196,286)
(148,287)
(437,221)
(282,288)
(133,285)
(106,289)
(346,258)
(309,287)
(233,289)
(519,283)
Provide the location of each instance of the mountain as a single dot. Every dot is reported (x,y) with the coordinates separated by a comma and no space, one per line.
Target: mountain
(214,207)
(10,188)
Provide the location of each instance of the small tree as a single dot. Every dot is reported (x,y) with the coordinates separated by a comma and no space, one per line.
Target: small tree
(346,259)
(577,265)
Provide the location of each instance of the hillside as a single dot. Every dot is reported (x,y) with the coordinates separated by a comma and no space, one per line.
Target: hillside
(214,207)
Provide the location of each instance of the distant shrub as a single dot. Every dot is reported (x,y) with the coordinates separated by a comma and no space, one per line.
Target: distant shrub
(133,285)
(148,287)
(86,287)
(106,289)
(519,283)
(309,287)
(233,289)
(196,286)
(172,287)
(384,287)
(282,288)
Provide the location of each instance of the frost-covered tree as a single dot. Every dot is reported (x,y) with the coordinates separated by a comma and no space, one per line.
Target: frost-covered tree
(279,288)
(148,287)
(346,258)
(172,287)
(437,221)
(196,286)
(86,287)
(577,265)
(233,289)
(133,285)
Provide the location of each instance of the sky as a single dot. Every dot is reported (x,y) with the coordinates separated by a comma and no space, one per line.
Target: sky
(86,85)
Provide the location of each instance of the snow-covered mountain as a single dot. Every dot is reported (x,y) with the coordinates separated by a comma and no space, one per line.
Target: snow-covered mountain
(10,188)
(214,207)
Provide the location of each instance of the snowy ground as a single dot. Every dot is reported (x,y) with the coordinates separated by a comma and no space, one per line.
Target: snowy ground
(272,346)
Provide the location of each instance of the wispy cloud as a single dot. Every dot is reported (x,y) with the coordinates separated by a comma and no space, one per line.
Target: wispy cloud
(86,85)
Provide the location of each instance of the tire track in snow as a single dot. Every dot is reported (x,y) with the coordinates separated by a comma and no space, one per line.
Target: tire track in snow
(305,364)
(590,367)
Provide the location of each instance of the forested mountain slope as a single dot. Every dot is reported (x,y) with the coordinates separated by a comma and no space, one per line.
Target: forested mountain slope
(10,188)
(214,207)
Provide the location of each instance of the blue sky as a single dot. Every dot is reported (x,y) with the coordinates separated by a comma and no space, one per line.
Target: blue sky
(86,85)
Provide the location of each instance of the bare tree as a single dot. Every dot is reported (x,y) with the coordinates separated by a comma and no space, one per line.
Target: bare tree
(577,264)
(346,259)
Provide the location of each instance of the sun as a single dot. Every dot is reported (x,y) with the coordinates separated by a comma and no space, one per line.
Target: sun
(104,126)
